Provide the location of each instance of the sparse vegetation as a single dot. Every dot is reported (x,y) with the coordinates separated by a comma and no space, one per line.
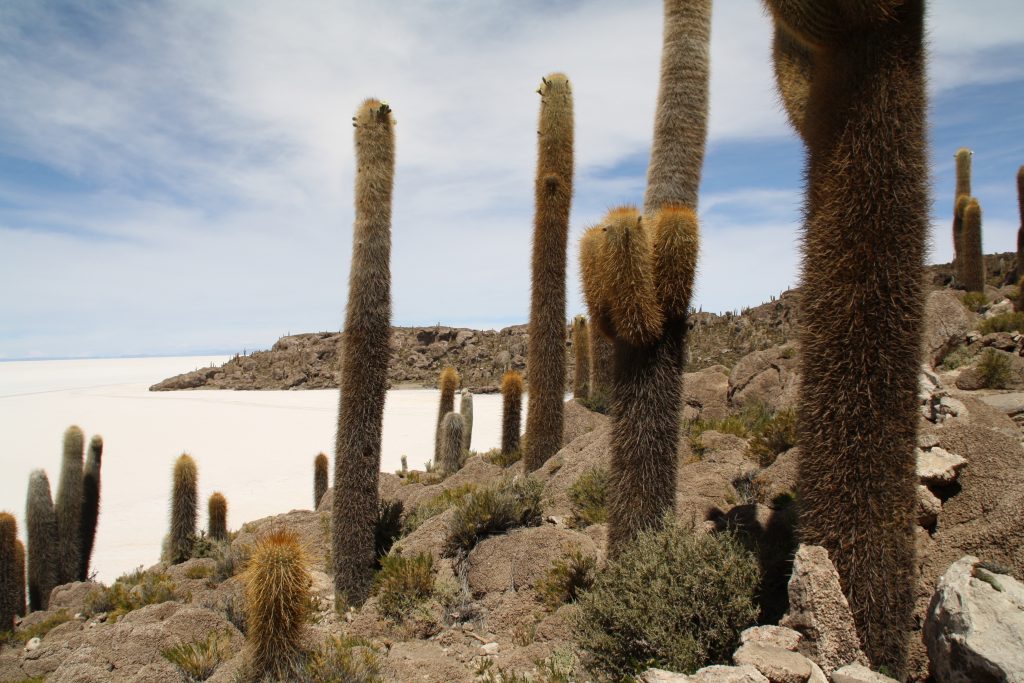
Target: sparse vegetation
(342,659)
(496,456)
(589,498)
(130,592)
(974,301)
(199,659)
(994,369)
(673,598)
(751,419)
(435,506)
(773,437)
(403,583)
(39,630)
(493,510)
(567,578)
(389,526)
(956,358)
(1004,322)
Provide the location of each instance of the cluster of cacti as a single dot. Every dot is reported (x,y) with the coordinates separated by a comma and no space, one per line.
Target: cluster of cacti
(319,479)
(466,410)
(581,360)
(364,358)
(277,602)
(447,383)
(865,236)
(545,361)
(184,508)
(217,516)
(960,197)
(10,573)
(90,504)
(511,411)
(41,533)
(450,439)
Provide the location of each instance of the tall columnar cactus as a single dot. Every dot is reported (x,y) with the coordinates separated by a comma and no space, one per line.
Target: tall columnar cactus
(511,411)
(448,382)
(449,457)
(277,581)
(973,256)
(602,368)
(19,578)
(1019,263)
(69,507)
(466,410)
(364,363)
(90,504)
(581,363)
(319,479)
(184,508)
(864,244)
(217,516)
(638,280)
(8,571)
(545,360)
(41,532)
(960,197)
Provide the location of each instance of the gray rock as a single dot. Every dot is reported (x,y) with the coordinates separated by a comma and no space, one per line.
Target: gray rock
(777,664)
(858,673)
(818,610)
(975,625)
(928,507)
(938,466)
(777,636)
(709,674)
(946,322)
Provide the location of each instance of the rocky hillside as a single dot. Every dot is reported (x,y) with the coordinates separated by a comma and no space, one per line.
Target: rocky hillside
(310,361)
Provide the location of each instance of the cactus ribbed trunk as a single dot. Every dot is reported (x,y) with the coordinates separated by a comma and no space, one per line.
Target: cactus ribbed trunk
(41,533)
(602,368)
(184,508)
(447,383)
(90,504)
(364,362)
(581,358)
(319,479)
(864,244)
(973,255)
(511,411)
(8,571)
(19,578)
(68,507)
(1019,262)
(217,517)
(545,361)
(449,457)
(466,410)
(960,198)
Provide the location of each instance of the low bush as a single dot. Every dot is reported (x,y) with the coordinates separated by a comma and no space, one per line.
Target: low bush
(403,583)
(675,598)
(39,630)
(493,510)
(199,659)
(567,578)
(959,356)
(750,420)
(435,506)
(342,659)
(388,527)
(496,457)
(775,436)
(1004,322)
(588,497)
(994,369)
(974,301)
(130,592)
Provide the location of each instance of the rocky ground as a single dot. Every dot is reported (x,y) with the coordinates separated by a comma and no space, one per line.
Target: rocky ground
(486,620)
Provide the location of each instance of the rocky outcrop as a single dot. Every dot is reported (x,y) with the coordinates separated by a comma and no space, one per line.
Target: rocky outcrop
(975,626)
(766,377)
(946,323)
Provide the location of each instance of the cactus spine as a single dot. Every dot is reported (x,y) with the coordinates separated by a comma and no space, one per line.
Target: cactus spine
(277,584)
(581,364)
(90,503)
(364,362)
(545,364)
(602,369)
(319,479)
(184,508)
(864,244)
(217,516)
(69,507)
(973,257)
(19,578)
(448,382)
(450,455)
(466,410)
(41,532)
(8,571)
(511,411)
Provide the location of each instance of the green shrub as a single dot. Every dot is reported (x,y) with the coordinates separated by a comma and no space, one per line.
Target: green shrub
(994,369)
(36,630)
(560,667)
(230,561)
(130,592)
(435,506)
(1004,322)
(388,527)
(676,599)
(775,436)
(959,356)
(974,301)
(752,418)
(567,578)
(403,583)
(496,457)
(342,659)
(199,659)
(493,510)
(588,497)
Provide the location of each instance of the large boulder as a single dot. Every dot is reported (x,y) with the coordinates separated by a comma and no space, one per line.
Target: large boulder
(975,626)
(769,377)
(520,558)
(706,393)
(946,321)
(973,378)
(578,421)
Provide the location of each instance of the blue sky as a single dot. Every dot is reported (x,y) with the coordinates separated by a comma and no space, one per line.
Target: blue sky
(176,177)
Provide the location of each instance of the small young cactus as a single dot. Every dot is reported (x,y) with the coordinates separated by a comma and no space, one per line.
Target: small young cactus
(90,504)
(466,410)
(449,458)
(41,525)
(973,256)
(319,479)
(8,571)
(581,364)
(217,515)
(448,382)
(184,508)
(511,411)
(276,584)
(69,507)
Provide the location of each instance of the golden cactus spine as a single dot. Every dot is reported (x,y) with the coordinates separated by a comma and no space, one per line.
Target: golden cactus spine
(319,479)
(217,516)
(466,410)
(973,257)
(41,533)
(276,582)
(545,361)
(184,508)
(90,504)
(8,571)
(447,383)
(68,506)
(581,358)
(449,457)
(364,358)
(864,244)
(511,411)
